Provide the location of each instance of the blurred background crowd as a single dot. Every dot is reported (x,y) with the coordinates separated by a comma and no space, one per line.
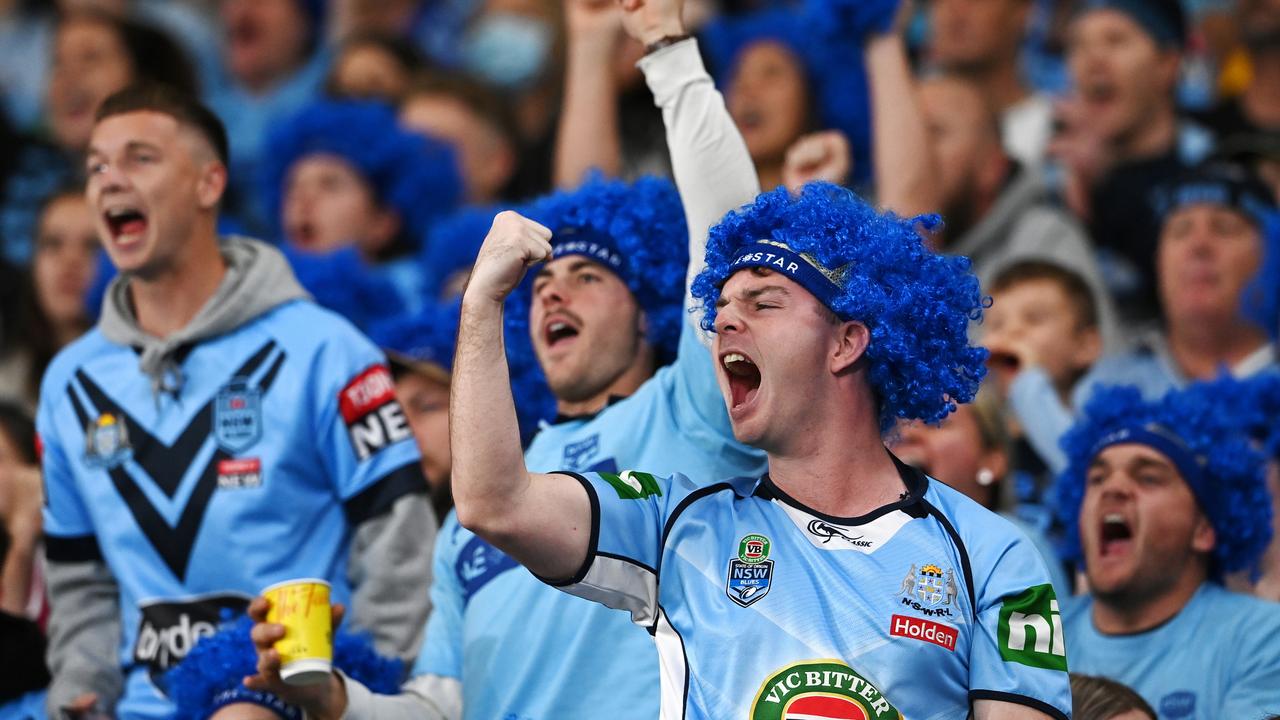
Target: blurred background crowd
(1112,173)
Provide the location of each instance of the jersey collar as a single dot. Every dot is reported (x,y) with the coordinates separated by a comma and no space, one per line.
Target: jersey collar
(915,481)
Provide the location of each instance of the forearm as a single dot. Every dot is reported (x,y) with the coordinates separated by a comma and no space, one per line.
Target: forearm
(588,134)
(390,571)
(19,563)
(84,634)
(709,159)
(903,157)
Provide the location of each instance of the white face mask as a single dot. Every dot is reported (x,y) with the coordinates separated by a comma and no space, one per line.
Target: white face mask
(506,49)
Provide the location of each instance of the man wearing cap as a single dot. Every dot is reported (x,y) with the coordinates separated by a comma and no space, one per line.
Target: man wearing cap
(1160,500)
(1121,134)
(841,581)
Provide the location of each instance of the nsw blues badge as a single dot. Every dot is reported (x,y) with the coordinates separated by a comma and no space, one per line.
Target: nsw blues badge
(751,572)
(237,416)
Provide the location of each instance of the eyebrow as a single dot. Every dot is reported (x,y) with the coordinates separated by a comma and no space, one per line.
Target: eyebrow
(766,290)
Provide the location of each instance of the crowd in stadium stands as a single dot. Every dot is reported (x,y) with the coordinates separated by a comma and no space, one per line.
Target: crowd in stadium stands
(251,249)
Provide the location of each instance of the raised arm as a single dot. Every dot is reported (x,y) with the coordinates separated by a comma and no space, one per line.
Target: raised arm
(904,164)
(542,521)
(709,159)
(588,134)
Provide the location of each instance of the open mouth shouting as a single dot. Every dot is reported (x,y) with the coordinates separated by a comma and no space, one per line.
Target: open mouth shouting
(125,223)
(560,330)
(744,379)
(1115,537)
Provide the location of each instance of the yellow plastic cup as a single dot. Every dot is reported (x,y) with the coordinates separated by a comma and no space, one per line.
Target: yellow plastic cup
(306,650)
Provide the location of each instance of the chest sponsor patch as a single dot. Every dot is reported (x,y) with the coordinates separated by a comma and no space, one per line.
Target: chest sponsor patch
(924,630)
(373,416)
(478,563)
(1030,629)
(1178,704)
(167,630)
(865,538)
(238,473)
(820,690)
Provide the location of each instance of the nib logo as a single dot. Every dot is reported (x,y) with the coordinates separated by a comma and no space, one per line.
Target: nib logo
(1030,629)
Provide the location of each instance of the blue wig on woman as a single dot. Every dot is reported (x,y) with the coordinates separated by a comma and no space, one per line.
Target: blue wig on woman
(411,174)
(871,267)
(1200,432)
(644,223)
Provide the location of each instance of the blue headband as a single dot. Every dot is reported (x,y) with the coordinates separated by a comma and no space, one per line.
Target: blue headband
(1164,441)
(1163,22)
(591,244)
(803,268)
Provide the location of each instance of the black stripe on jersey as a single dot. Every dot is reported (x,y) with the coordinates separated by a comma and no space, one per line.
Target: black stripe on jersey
(384,492)
(82,548)
(964,553)
(165,464)
(1016,699)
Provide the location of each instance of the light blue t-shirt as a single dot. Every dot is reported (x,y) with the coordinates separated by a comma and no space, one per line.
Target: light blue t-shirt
(284,437)
(1218,658)
(764,609)
(524,651)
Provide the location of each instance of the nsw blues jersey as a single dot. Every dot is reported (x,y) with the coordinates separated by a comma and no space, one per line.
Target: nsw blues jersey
(524,651)
(764,609)
(1217,658)
(285,436)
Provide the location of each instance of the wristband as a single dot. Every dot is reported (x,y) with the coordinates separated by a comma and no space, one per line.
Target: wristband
(665,41)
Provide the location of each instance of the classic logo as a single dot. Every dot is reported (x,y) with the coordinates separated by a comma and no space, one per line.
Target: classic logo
(168,630)
(106,442)
(926,630)
(237,473)
(828,532)
(1030,629)
(237,416)
(632,485)
(576,454)
(751,573)
(369,408)
(929,590)
(820,690)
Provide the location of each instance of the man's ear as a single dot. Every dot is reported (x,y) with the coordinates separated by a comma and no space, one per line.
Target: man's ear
(1203,538)
(211,185)
(851,345)
(1087,348)
(383,228)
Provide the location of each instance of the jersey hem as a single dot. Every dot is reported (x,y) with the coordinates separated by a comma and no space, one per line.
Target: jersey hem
(1017,699)
(68,549)
(381,494)
(593,542)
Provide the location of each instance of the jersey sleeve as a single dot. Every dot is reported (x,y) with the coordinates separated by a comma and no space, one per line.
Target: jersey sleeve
(441,653)
(1018,654)
(629,511)
(68,527)
(363,435)
(694,389)
(1255,686)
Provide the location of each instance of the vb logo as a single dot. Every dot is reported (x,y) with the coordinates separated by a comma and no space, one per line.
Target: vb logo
(1030,630)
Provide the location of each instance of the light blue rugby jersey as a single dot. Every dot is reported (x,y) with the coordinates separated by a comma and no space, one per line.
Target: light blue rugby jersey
(763,609)
(524,651)
(1217,658)
(285,436)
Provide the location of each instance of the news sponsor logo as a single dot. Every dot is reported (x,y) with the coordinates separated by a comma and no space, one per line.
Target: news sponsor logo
(369,408)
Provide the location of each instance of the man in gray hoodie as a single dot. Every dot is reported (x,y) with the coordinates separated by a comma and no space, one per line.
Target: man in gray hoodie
(215,433)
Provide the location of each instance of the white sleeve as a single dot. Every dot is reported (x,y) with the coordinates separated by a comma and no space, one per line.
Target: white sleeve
(709,158)
(425,697)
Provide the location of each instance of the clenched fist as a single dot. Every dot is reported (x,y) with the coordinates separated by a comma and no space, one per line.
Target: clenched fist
(818,156)
(514,244)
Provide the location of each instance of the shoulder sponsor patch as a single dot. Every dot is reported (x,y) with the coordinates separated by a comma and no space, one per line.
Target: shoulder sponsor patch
(373,417)
(632,485)
(1030,629)
(820,690)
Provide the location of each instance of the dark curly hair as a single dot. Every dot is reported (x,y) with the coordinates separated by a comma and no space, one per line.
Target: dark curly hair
(917,304)
(1233,495)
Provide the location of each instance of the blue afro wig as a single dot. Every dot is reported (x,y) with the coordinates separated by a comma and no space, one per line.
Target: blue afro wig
(452,246)
(427,336)
(411,174)
(917,304)
(644,221)
(342,282)
(1232,492)
(211,675)
(1262,296)
(826,37)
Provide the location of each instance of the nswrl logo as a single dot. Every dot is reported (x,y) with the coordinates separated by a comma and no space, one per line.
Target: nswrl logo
(1030,629)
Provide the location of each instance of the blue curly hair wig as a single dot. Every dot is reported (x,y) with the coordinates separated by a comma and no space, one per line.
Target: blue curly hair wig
(452,245)
(916,304)
(1262,296)
(342,282)
(427,336)
(826,37)
(416,176)
(211,675)
(1201,432)
(644,222)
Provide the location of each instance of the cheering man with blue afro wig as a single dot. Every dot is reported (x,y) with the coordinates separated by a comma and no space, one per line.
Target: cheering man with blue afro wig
(1160,500)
